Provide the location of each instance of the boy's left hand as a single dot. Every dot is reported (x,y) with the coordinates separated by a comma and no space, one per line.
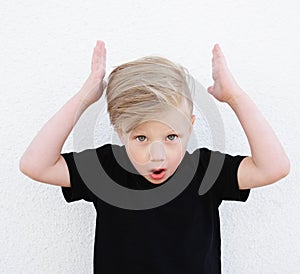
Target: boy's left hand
(225,88)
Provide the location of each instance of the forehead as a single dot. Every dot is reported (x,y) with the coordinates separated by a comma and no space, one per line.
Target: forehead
(169,120)
(152,127)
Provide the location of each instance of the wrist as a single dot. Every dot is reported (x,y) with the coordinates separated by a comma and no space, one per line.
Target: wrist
(90,92)
(235,99)
(82,100)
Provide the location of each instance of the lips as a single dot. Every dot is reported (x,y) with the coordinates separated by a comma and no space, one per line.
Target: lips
(158,174)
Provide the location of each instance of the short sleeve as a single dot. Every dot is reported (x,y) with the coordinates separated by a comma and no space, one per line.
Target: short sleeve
(78,189)
(225,185)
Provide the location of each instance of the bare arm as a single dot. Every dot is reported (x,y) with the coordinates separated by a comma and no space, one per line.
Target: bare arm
(268,162)
(42,160)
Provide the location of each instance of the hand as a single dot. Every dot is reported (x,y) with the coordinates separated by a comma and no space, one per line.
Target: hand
(94,86)
(225,88)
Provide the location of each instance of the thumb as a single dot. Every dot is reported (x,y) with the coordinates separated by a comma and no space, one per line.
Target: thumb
(104,84)
(210,89)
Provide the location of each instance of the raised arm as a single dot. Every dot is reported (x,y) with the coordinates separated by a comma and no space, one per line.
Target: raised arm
(268,162)
(42,160)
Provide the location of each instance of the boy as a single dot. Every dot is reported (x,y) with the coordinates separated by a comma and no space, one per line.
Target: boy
(150,107)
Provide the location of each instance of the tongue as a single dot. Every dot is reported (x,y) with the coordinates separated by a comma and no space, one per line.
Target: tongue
(158,174)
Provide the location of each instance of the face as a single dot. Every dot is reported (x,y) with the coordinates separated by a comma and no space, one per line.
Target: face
(157,147)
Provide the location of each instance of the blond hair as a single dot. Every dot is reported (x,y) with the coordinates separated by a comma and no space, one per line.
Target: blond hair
(139,90)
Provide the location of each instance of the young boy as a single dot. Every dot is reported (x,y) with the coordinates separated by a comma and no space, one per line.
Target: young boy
(152,217)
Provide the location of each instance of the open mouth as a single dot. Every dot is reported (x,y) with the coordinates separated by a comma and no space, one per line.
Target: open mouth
(158,174)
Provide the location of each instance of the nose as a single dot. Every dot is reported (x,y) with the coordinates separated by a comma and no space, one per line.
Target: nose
(157,152)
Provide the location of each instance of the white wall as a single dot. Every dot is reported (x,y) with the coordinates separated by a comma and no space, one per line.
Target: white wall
(45,54)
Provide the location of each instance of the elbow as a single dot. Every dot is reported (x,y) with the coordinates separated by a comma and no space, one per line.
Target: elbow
(280,170)
(285,168)
(27,168)
(23,167)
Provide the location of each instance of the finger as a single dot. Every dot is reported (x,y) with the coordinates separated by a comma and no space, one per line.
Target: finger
(99,42)
(217,51)
(102,57)
(218,56)
(99,57)
(99,52)
(94,59)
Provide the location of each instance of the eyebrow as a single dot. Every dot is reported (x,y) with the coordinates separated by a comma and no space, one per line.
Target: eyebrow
(173,132)
(138,132)
(168,132)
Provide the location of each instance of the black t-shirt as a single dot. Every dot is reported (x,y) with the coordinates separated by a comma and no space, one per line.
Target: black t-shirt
(180,236)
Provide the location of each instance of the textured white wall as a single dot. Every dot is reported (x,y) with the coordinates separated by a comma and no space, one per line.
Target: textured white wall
(45,54)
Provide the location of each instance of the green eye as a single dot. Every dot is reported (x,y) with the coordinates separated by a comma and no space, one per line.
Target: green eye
(172,137)
(140,138)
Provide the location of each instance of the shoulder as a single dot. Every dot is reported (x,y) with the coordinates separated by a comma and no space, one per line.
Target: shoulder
(218,172)
(109,151)
(90,157)
(112,156)
(206,154)
(216,162)
(201,156)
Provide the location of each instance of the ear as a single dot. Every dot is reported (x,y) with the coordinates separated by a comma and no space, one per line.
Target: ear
(193,118)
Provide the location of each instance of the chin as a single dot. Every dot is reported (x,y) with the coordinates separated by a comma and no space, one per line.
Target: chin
(157,182)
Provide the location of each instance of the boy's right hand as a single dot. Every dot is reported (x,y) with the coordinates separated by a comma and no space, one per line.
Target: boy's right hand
(94,86)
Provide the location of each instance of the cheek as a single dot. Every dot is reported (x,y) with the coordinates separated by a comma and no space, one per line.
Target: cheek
(138,154)
(175,153)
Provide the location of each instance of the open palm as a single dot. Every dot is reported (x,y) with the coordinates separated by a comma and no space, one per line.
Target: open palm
(94,86)
(225,86)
